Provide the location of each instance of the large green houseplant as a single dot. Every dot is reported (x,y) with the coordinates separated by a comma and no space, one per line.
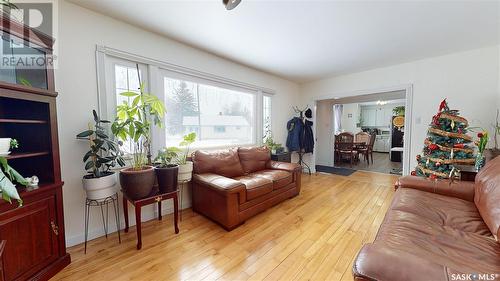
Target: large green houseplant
(134,121)
(102,156)
(7,178)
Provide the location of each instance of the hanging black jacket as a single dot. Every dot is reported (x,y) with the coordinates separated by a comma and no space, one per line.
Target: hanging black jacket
(295,129)
(308,143)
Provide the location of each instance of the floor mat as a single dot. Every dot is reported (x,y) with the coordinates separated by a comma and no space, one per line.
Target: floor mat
(334,170)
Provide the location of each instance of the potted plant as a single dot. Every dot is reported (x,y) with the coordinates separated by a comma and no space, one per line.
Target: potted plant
(185,167)
(133,123)
(275,148)
(103,154)
(6,144)
(7,178)
(166,170)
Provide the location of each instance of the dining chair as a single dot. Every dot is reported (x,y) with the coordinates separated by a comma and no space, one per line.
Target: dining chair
(367,151)
(345,147)
(362,137)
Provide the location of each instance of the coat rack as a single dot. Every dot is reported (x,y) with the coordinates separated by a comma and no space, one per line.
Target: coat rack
(301,152)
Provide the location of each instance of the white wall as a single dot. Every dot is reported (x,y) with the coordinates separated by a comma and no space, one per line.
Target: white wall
(324,137)
(468,79)
(79,32)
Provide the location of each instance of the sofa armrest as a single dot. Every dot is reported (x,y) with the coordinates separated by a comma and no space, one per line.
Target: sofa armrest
(290,167)
(219,183)
(459,189)
(378,262)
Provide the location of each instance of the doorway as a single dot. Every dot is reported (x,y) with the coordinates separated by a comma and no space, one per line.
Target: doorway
(376,127)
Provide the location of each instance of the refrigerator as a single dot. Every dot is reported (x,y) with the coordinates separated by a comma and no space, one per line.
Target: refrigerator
(397,136)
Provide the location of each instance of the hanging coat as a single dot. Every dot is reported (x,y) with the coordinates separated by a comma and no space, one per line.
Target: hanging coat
(308,144)
(295,129)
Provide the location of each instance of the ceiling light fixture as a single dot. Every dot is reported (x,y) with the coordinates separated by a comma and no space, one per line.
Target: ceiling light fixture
(382,102)
(230,4)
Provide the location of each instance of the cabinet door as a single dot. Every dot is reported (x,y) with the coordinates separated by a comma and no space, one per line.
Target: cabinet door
(30,233)
(379,119)
(371,116)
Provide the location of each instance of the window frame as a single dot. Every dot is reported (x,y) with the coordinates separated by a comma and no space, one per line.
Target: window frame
(154,71)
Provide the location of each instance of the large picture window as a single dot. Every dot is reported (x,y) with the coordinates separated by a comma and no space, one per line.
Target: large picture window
(218,116)
(222,112)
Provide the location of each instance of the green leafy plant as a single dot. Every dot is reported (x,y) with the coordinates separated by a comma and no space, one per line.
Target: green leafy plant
(7,178)
(104,153)
(134,121)
(398,111)
(14,144)
(186,143)
(168,156)
(269,143)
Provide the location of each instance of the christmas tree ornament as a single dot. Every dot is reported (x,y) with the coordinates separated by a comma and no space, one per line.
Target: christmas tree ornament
(438,164)
(452,124)
(413,173)
(452,153)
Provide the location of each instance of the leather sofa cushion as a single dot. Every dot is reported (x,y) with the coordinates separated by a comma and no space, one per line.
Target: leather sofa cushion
(448,212)
(222,162)
(437,242)
(254,158)
(280,178)
(487,194)
(256,186)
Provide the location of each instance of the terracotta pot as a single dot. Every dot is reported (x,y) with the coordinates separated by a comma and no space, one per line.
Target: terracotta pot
(185,171)
(100,188)
(137,184)
(167,178)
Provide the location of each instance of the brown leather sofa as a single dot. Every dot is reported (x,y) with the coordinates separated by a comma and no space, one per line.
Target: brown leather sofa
(230,186)
(435,230)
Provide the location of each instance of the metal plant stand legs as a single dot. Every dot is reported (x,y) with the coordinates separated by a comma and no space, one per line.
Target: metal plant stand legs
(113,199)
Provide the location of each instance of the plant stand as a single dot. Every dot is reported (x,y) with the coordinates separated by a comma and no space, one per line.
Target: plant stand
(181,193)
(113,199)
(154,197)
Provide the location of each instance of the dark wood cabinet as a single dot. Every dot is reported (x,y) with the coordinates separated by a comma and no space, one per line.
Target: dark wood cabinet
(32,235)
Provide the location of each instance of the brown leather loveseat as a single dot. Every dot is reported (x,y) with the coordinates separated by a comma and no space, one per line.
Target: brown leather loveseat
(435,230)
(230,186)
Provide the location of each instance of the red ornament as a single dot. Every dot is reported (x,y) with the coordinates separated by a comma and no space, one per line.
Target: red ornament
(460,131)
(459,145)
(443,105)
(433,177)
(433,146)
(413,173)
(438,164)
(480,135)
(419,157)
(435,118)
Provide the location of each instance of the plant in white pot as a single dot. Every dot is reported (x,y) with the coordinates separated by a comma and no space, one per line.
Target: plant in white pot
(103,154)
(133,123)
(6,144)
(185,167)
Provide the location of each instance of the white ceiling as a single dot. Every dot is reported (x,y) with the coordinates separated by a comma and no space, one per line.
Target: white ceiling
(307,40)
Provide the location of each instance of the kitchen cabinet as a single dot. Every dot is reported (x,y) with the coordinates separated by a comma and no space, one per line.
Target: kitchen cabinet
(382,143)
(376,116)
(368,116)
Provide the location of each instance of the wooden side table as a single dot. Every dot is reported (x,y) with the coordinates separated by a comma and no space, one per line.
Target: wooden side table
(282,157)
(154,197)
(467,172)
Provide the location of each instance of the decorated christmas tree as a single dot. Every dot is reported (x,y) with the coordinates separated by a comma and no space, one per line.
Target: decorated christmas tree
(447,144)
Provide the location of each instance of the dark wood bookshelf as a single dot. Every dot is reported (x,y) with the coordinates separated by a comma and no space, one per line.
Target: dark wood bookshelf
(28,114)
(23,121)
(26,154)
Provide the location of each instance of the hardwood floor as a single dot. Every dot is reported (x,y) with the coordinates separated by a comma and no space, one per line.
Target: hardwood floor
(381,164)
(315,236)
